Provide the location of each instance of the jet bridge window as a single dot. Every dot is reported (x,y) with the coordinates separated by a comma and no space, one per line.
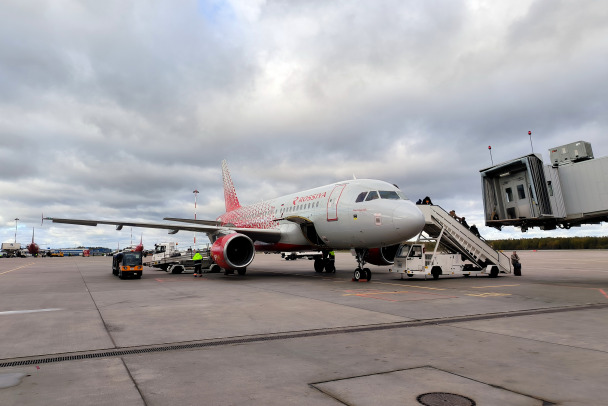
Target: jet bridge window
(520,191)
(373,195)
(509,193)
(361,197)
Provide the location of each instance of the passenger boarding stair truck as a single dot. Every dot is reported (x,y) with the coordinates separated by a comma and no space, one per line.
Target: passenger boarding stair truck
(457,250)
(168,258)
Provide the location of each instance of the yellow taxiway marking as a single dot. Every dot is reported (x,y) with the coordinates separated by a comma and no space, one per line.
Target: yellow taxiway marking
(488,294)
(497,286)
(407,286)
(16,269)
(379,292)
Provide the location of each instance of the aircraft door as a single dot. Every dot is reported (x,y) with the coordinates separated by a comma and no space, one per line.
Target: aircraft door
(332,202)
(516,197)
(509,200)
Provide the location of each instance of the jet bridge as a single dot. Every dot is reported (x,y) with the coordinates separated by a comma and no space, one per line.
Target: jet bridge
(524,192)
(448,230)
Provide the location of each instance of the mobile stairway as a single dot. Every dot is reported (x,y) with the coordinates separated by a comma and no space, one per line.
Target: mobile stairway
(447,230)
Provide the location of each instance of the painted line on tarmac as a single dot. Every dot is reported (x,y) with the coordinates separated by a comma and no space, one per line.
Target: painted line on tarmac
(28,311)
(488,294)
(226,341)
(496,286)
(604,293)
(408,286)
(16,269)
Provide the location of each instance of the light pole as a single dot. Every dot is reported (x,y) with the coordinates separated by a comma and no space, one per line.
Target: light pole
(195,195)
(16,220)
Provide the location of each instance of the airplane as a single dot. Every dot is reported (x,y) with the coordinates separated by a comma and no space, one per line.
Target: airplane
(33,248)
(370,217)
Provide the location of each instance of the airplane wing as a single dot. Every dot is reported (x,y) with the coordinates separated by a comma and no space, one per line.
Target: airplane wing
(209,227)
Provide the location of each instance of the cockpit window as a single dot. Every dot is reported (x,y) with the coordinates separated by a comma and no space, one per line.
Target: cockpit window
(373,195)
(383,194)
(389,194)
(392,195)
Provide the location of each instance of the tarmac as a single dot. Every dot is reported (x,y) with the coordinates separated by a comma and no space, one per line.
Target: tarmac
(71,333)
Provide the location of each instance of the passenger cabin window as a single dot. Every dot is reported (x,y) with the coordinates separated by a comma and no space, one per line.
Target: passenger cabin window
(361,197)
(373,195)
(520,191)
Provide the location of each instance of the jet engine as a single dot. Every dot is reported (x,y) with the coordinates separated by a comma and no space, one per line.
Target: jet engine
(382,256)
(233,251)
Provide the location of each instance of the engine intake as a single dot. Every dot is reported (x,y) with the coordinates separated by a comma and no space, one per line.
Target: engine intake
(382,256)
(233,251)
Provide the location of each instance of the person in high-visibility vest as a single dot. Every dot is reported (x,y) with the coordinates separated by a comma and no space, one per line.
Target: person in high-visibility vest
(198,261)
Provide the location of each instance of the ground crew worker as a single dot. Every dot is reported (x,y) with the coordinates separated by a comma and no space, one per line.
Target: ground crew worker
(516,264)
(331,259)
(198,262)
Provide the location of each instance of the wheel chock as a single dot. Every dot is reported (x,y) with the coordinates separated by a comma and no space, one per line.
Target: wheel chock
(360,280)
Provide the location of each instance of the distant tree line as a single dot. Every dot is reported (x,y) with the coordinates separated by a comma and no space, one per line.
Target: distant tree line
(551,243)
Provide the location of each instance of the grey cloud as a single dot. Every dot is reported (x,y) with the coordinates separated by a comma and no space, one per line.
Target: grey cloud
(118,110)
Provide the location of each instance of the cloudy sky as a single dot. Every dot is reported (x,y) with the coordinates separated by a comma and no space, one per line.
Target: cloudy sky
(120,109)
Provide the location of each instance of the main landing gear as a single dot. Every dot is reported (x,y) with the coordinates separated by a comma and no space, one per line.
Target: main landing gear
(326,263)
(361,272)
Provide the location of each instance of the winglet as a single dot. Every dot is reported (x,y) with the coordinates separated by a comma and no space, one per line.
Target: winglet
(232,202)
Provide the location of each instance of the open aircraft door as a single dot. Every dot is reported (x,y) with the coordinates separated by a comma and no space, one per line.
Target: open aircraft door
(332,202)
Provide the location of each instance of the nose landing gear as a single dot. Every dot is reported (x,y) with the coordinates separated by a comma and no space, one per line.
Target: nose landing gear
(361,272)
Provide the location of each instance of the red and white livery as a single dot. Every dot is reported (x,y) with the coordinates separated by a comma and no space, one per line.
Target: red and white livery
(371,217)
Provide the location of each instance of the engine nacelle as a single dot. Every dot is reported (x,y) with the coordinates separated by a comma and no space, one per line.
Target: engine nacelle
(233,251)
(382,256)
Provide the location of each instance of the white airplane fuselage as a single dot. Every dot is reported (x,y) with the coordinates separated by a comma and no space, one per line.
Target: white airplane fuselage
(331,217)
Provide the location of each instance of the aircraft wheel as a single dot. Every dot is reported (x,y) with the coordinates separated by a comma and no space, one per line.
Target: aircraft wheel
(242,271)
(319,265)
(330,267)
(358,274)
(214,268)
(436,271)
(368,274)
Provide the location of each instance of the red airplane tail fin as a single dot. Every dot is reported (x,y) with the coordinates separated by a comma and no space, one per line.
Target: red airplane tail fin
(140,247)
(232,202)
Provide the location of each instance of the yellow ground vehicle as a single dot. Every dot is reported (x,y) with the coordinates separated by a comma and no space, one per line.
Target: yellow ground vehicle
(126,264)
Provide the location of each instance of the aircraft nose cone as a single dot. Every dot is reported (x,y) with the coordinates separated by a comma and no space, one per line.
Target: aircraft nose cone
(408,220)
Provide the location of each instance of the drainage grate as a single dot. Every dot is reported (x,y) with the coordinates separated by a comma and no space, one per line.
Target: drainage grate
(302,334)
(444,399)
